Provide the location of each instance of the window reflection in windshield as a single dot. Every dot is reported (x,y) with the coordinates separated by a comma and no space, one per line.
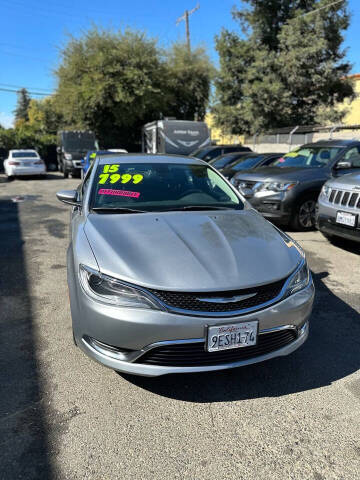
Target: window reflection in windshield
(308,157)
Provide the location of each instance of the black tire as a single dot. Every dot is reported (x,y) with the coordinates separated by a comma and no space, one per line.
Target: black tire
(65,173)
(304,215)
(10,178)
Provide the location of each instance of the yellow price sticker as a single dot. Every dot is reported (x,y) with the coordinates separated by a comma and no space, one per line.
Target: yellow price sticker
(291,155)
(117,177)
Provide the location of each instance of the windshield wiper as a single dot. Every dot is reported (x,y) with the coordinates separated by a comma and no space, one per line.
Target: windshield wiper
(200,207)
(116,210)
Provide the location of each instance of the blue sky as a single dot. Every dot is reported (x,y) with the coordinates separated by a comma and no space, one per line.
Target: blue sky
(33,30)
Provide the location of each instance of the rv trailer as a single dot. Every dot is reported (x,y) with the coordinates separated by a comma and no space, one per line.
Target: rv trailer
(180,137)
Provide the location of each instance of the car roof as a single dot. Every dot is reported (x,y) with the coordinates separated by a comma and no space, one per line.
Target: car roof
(23,150)
(148,158)
(332,143)
(223,146)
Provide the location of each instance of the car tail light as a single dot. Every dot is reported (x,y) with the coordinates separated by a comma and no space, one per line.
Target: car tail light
(12,162)
(38,162)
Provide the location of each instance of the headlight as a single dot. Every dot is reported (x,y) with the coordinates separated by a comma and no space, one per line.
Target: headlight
(277,186)
(300,279)
(325,191)
(68,156)
(110,291)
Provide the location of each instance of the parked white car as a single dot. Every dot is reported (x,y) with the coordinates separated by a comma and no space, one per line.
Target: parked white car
(23,162)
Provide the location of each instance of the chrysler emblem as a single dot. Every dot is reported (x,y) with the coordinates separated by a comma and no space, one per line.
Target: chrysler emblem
(236,298)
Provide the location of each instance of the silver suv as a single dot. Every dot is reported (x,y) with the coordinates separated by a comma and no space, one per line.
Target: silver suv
(338,207)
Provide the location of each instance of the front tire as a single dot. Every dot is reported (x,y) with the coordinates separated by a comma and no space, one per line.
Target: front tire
(304,215)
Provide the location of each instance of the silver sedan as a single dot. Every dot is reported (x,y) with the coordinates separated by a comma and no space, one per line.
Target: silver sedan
(170,270)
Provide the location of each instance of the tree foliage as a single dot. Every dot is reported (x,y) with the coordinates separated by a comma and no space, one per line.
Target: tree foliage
(22,106)
(188,78)
(114,82)
(286,69)
(44,117)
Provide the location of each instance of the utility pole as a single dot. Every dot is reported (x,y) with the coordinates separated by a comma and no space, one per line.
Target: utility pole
(185,17)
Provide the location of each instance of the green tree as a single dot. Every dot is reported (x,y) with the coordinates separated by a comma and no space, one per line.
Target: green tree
(115,82)
(288,68)
(22,106)
(110,83)
(189,76)
(43,116)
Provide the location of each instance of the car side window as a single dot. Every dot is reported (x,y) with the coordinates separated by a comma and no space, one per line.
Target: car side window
(270,161)
(85,184)
(212,154)
(353,156)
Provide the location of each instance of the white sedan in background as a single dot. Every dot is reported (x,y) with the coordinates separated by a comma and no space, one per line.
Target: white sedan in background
(23,162)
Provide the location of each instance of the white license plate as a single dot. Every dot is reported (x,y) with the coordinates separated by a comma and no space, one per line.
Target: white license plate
(237,335)
(345,218)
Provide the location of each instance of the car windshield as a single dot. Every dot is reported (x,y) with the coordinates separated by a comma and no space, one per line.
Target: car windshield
(222,161)
(160,187)
(308,157)
(202,152)
(246,163)
(24,154)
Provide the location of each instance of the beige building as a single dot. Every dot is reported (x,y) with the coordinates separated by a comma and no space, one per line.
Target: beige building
(353,115)
(217,136)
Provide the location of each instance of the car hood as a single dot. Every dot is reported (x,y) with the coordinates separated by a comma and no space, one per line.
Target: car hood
(351,180)
(190,251)
(271,174)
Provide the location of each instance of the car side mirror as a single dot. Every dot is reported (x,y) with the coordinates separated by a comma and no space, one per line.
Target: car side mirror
(344,164)
(69,197)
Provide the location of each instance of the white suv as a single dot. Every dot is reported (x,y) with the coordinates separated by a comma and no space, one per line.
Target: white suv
(338,208)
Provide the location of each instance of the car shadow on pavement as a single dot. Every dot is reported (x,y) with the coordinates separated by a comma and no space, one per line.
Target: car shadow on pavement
(331,352)
(348,245)
(23,437)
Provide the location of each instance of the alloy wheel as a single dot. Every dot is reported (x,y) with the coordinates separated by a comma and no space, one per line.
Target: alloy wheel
(307,214)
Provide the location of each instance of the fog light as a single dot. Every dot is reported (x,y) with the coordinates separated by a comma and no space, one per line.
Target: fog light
(107,350)
(272,206)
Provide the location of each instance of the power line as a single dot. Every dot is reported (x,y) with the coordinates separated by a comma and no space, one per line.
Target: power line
(322,8)
(44,90)
(30,93)
(13,54)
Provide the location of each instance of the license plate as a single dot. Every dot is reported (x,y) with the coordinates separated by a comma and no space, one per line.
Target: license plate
(236,335)
(345,218)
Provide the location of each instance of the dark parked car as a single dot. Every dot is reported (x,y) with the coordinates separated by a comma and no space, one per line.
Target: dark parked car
(248,162)
(210,152)
(287,192)
(71,150)
(227,159)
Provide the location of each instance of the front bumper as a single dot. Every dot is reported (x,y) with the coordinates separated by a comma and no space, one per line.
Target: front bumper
(135,331)
(272,205)
(327,224)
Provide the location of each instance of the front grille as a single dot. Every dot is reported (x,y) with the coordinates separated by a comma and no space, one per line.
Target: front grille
(194,354)
(191,301)
(246,183)
(346,199)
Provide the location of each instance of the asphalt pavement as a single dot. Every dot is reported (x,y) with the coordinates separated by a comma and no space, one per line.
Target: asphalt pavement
(63,416)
